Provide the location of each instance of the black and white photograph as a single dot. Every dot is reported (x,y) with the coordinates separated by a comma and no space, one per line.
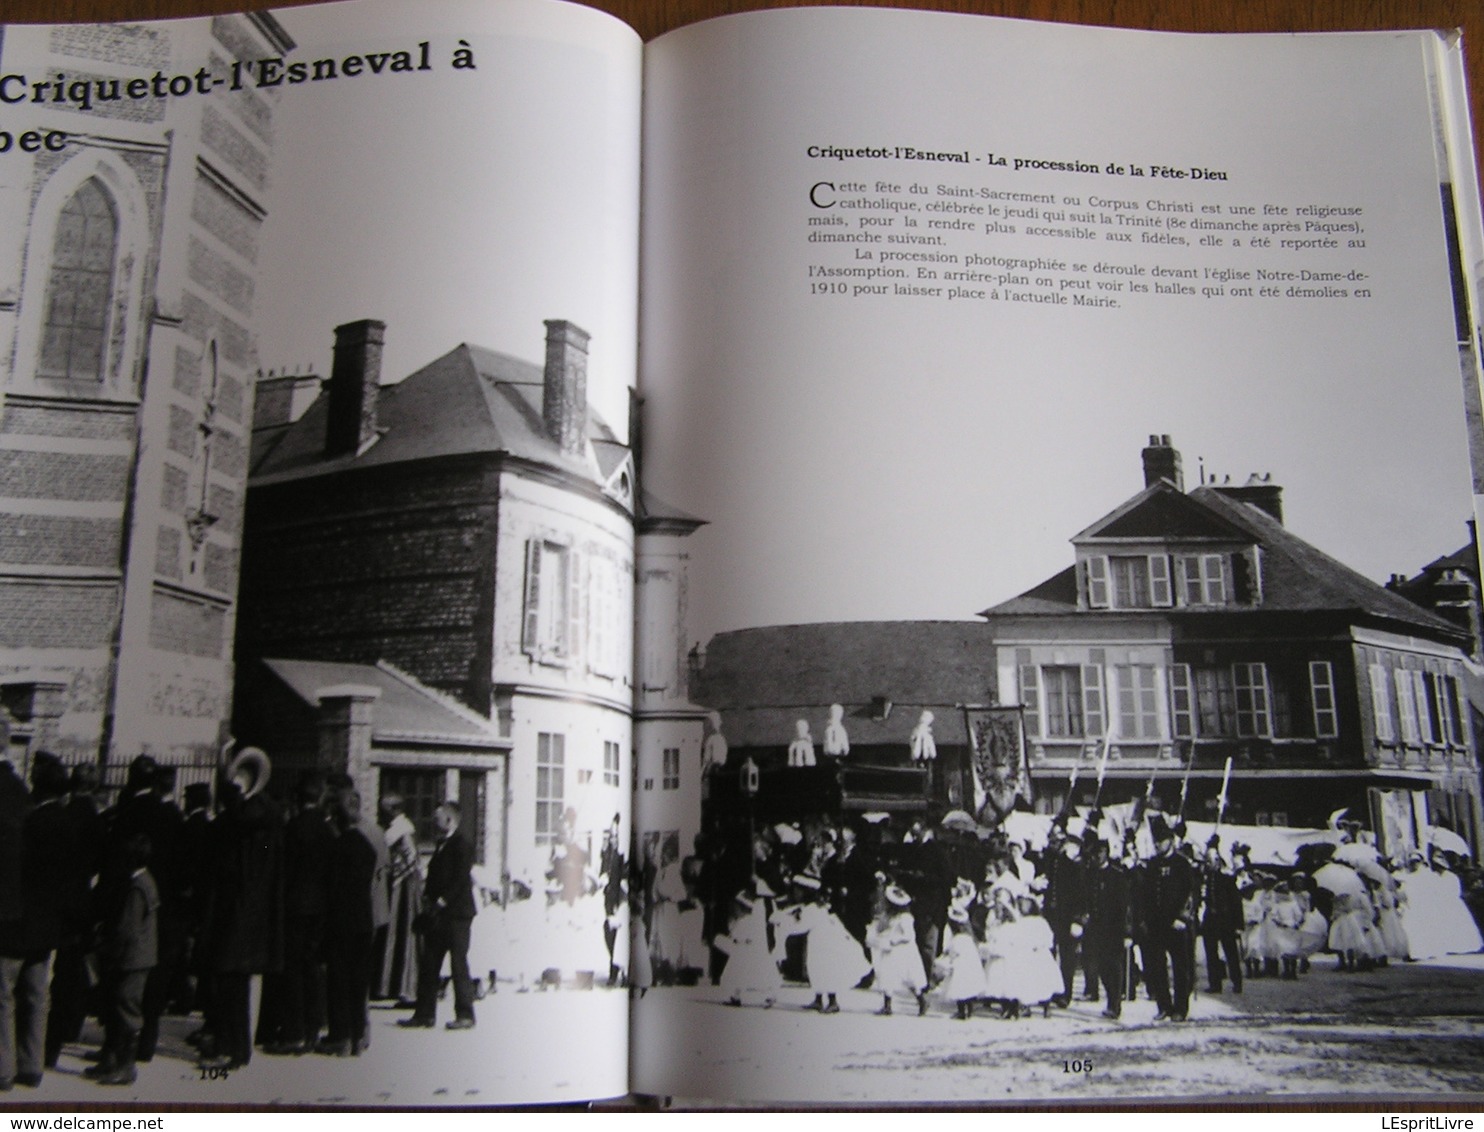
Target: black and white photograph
(1084,698)
(838,556)
(318,544)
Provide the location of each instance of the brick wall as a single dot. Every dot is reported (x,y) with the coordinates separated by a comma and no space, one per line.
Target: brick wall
(363,568)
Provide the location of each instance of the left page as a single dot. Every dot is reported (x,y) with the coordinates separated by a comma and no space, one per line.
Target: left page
(317,332)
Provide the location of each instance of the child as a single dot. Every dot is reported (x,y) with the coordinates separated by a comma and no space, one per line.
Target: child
(892,939)
(750,969)
(1034,972)
(1285,918)
(128,952)
(833,960)
(964,983)
(998,980)
(1313,930)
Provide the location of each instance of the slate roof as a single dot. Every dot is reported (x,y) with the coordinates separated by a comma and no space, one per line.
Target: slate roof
(656,515)
(1296,576)
(471,400)
(762,680)
(407,711)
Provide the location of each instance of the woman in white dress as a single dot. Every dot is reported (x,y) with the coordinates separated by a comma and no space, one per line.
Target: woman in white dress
(1437,921)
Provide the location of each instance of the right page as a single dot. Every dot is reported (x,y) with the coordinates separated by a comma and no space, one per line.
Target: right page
(1067,598)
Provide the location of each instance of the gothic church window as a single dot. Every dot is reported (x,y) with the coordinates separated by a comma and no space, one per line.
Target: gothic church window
(80,286)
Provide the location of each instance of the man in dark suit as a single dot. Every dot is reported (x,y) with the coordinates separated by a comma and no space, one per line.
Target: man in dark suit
(1165,916)
(349,928)
(1066,906)
(1221,922)
(1105,941)
(448,913)
(54,900)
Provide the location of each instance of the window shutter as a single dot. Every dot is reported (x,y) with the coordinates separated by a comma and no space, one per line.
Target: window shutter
(530,641)
(575,592)
(1381,703)
(1093,702)
(1458,709)
(1425,727)
(1097,582)
(1030,699)
(1182,701)
(1159,581)
(1406,707)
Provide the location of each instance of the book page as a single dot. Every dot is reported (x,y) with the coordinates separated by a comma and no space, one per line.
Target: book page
(1059,404)
(318,335)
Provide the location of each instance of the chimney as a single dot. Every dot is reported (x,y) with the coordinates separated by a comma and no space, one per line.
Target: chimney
(1162,462)
(1261,492)
(355,383)
(564,396)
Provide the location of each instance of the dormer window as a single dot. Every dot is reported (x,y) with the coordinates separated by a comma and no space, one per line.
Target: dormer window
(1203,579)
(1128,581)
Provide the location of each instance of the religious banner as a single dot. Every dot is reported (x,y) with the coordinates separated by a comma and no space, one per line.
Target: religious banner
(1001,772)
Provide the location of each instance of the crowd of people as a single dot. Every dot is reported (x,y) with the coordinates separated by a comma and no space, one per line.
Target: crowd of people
(130,911)
(956,918)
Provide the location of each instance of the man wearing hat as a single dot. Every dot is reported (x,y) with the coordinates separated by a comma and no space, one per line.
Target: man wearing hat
(1164,903)
(1105,942)
(143,809)
(1066,906)
(1221,921)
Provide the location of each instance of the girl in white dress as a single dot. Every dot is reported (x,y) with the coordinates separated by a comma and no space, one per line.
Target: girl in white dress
(999,982)
(751,973)
(892,940)
(833,960)
(1034,972)
(1352,932)
(964,983)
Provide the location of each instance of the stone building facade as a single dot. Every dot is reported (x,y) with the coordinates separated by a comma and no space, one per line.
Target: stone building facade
(128,261)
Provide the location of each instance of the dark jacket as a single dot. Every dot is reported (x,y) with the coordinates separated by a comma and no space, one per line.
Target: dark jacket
(244,929)
(349,877)
(131,935)
(1165,892)
(450,887)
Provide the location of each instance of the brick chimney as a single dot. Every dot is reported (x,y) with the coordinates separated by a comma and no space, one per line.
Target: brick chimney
(564,394)
(1162,462)
(1261,492)
(355,384)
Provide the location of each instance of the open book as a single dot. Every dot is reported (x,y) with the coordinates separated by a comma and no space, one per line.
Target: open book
(754,566)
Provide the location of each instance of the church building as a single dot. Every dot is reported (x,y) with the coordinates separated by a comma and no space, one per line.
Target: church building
(129,256)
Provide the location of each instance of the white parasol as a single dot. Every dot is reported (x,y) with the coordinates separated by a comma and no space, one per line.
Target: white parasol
(1339,879)
(1447,841)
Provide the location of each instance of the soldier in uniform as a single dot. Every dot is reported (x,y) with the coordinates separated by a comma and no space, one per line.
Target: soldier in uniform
(1066,904)
(1164,902)
(1105,942)
(1221,921)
